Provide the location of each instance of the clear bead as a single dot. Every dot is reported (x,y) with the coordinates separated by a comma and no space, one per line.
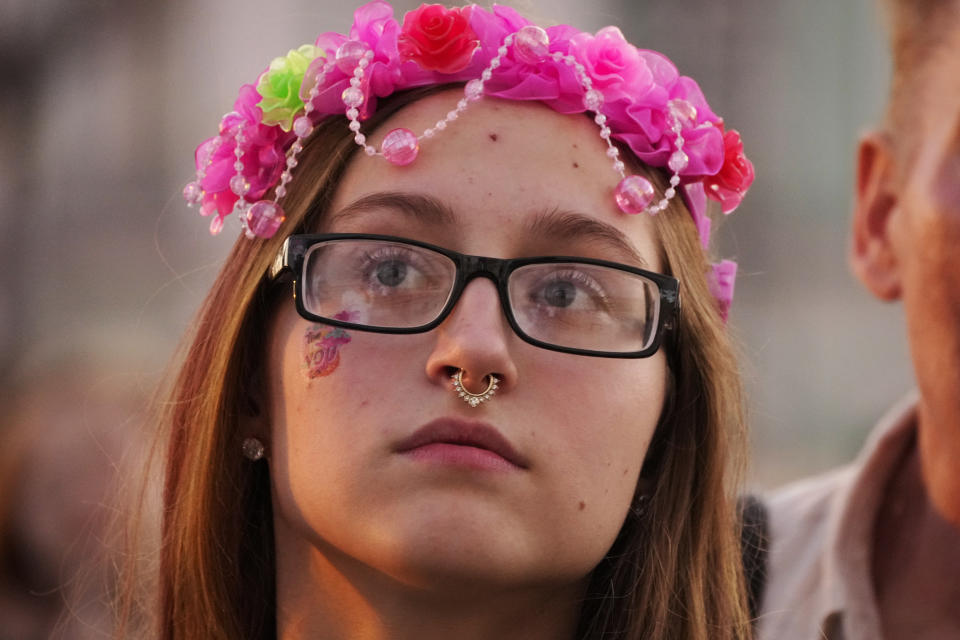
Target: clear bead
(302,127)
(486,75)
(354,125)
(600,119)
(618,166)
(452,115)
(360,139)
(669,193)
(605,133)
(593,100)
(281,191)
(613,152)
(350,54)
(684,113)
(474,89)
(292,162)
(352,97)
(239,185)
(674,181)
(370,151)
(495,63)
(678,161)
(441,125)
(193,193)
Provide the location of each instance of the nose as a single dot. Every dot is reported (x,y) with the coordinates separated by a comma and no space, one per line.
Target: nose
(476,338)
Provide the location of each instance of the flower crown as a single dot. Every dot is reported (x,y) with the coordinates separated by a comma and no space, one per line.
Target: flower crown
(636,97)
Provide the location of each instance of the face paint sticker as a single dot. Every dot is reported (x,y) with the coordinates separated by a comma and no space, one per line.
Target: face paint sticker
(321,347)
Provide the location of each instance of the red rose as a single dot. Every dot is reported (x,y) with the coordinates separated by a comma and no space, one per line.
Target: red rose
(730,184)
(437,38)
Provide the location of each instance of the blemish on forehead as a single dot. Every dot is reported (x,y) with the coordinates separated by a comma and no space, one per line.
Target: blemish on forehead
(576,165)
(494,137)
(583,505)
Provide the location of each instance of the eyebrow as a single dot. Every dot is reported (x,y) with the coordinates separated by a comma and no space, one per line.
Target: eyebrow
(423,208)
(561,225)
(555,224)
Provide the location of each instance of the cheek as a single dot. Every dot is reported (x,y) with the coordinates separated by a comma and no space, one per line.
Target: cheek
(596,425)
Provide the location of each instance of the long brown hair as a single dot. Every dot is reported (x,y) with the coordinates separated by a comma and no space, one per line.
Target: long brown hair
(673,572)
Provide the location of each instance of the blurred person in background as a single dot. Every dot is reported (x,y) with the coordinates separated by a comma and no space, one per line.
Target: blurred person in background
(873,550)
(62,443)
(333,469)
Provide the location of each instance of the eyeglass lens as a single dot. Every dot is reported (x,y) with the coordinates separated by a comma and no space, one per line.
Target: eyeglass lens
(388,284)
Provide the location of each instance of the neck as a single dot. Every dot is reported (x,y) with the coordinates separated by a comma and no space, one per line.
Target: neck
(324,594)
(916,561)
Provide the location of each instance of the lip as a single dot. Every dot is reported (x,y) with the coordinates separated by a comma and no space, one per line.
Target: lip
(457,442)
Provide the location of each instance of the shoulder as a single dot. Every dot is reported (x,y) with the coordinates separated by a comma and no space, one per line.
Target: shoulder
(802,517)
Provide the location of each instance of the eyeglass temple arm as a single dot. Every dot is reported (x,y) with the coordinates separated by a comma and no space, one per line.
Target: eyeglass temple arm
(280,262)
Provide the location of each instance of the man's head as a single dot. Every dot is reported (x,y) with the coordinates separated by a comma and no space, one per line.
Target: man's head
(906,224)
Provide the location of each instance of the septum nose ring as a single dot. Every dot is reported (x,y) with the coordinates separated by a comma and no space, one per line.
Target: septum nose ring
(474,399)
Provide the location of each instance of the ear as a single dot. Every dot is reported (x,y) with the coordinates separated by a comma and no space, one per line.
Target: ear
(872,254)
(252,419)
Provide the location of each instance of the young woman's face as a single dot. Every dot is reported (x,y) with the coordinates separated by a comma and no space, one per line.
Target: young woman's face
(513,180)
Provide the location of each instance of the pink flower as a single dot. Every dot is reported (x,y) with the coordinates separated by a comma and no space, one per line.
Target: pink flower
(614,65)
(720,281)
(437,38)
(730,184)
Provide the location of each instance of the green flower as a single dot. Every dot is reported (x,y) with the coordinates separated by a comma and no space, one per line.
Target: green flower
(280,86)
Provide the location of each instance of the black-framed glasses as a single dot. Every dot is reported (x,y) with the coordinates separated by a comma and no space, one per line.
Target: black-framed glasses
(388,284)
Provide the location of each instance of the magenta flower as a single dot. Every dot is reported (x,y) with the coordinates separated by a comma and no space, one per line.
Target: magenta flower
(615,66)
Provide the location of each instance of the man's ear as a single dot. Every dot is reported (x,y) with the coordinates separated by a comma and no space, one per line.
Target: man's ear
(872,254)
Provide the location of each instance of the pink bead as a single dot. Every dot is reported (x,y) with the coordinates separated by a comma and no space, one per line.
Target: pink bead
(264,218)
(531,44)
(352,97)
(593,100)
(400,147)
(349,55)
(678,161)
(634,194)
(683,112)
(216,225)
(302,127)
(193,193)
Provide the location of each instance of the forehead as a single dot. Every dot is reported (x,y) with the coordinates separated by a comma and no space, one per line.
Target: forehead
(499,164)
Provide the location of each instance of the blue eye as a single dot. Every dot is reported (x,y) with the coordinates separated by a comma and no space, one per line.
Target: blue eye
(559,293)
(391,273)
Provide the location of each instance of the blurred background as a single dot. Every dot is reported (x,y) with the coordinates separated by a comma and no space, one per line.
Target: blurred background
(102,264)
